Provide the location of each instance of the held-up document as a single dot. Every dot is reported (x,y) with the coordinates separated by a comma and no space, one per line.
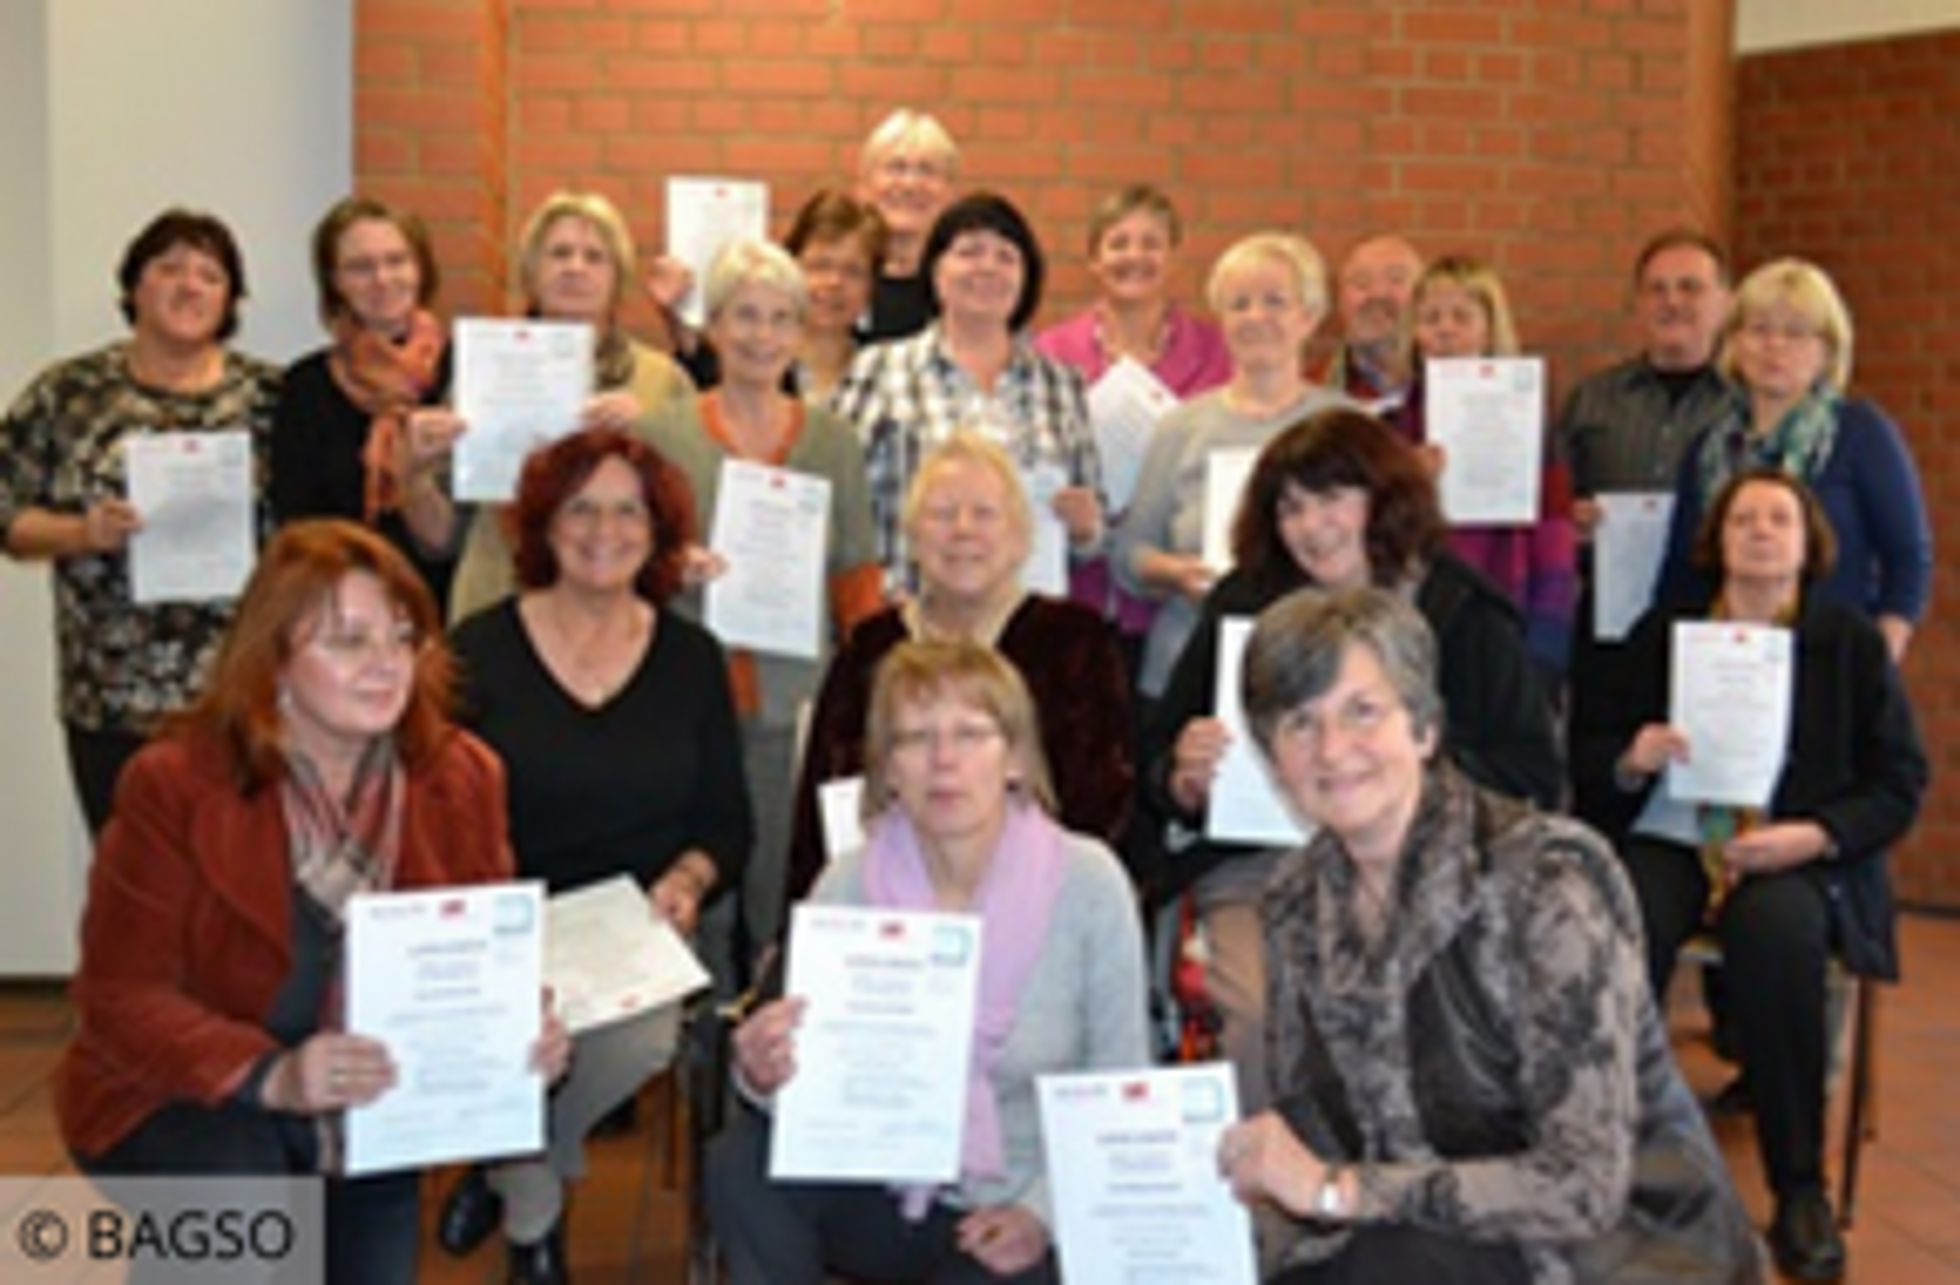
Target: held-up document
(451,981)
(1227,470)
(1124,407)
(1729,689)
(1487,414)
(704,215)
(1246,804)
(194,494)
(608,957)
(1133,1169)
(1628,545)
(772,529)
(879,1093)
(519,384)
(1046,570)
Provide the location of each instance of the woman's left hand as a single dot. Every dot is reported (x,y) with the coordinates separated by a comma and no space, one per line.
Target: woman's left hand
(1263,1159)
(676,897)
(551,1053)
(1777,846)
(1005,1239)
(1081,514)
(615,410)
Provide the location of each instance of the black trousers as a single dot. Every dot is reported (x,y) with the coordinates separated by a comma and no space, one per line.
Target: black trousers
(95,764)
(1385,1253)
(800,1233)
(373,1224)
(1775,932)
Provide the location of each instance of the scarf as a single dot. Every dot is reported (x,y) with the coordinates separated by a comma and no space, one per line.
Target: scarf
(1800,444)
(386,380)
(339,847)
(1015,900)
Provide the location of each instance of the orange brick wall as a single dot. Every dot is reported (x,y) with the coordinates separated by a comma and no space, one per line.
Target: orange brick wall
(1850,155)
(1549,136)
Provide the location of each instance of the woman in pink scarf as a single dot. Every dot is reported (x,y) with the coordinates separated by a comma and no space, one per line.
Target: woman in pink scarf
(957,820)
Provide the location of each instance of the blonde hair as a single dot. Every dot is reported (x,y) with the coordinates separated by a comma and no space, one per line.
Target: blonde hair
(746,261)
(1295,254)
(1480,281)
(965,446)
(908,130)
(1806,290)
(603,217)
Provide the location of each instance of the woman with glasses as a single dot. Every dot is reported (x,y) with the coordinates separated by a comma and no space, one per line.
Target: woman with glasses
(958,817)
(613,717)
(906,171)
(320,762)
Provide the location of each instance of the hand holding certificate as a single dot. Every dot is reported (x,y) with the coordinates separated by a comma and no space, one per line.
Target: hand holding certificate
(1245,806)
(607,958)
(1124,407)
(1487,414)
(194,494)
(705,214)
(1729,692)
(879,1092)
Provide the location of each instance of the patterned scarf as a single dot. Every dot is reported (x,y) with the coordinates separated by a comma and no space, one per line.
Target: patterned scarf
(1800,444)
(1015,900)
(339,847)
(387,380)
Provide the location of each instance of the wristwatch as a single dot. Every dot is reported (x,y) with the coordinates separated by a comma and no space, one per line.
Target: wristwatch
(1328,1202)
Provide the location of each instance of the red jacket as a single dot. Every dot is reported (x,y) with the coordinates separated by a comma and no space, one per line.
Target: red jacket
(186,938)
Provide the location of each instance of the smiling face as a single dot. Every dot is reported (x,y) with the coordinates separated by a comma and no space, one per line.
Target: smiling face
(838,276)
(979,278)
(964,534)
(1679,306)
(1133,259)
(577,279)
(1451,321)
(1265,322)
(602,535)
(910,186)
(180,298)
(1327,533)
(1352,760)
(350,672)
(755,333)
(1374,289)
(376,273)
(950,766)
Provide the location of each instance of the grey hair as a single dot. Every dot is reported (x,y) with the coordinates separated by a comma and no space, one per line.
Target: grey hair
(744,262)
(1294,655)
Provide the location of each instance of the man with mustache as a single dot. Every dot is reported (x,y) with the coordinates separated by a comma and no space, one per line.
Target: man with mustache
(1371,365)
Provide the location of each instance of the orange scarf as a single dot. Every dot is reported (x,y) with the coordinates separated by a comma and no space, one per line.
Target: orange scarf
(387,380)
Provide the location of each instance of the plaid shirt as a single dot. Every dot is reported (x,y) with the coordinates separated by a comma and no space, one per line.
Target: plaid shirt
(906,397)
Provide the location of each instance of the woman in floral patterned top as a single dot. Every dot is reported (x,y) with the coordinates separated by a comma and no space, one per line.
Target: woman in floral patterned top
(64,491)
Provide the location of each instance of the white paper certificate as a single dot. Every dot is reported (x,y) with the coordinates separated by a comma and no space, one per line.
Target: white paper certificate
(772,528)
(840,804)
(1729,691)
(1488,416)
(451,981)
(1046,570)
(1246,806)
(518,384)
(194,494)
(879,1093)
(1627,548)
(607,957)
(705,214)
(1227,470)
(1124,407)
(1133,1167)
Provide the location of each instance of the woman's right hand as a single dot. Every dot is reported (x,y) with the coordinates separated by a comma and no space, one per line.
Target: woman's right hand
(1654,747)
(108,524)
(329,1072)
(432,434)
(1187,575)
(1194,761)
(765,1045)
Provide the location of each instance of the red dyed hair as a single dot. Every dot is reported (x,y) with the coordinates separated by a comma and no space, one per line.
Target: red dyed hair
(554,473)
(298,574)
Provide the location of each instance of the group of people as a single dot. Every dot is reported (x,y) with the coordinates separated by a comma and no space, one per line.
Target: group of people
(1445,1010)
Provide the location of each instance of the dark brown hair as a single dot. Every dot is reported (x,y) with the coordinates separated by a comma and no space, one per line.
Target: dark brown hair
(555,472)
(831,216)
(1682,238)
(202,232)
(1819,540)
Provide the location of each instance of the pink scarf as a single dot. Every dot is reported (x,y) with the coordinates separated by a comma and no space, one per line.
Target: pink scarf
(1015,900)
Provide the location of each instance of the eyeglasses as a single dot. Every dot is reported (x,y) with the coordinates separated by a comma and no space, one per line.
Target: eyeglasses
(355,647)
(1762,330)
(961,738)
(1359,717)
(583,512)
(376,265)
(902,167)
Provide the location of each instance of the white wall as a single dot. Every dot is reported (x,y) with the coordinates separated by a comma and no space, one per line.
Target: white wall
(111,110)
(1764,25)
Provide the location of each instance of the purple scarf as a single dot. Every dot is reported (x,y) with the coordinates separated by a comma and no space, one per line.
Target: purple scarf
(1015,899)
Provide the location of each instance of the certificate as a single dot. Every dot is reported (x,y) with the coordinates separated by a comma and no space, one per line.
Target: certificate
(1227,470)
(450,980)
(1124,407)
(518,384)
(705,214)
(840,804)
(1729,690)
(1627,549)
(608,957)
(1046,570)
(1246,804)
(194,494)
(879,1093)
(771,528)
(1488,416)
(1133,1168)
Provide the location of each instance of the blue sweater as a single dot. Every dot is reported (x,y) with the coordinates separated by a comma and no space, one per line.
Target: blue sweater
(1870,491)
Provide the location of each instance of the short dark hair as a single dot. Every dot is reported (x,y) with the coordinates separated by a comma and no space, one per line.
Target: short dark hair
(989,212)
(833,215)
(334,224)
(1819,540)
(1682,237)
(203,232)
(1339,447)
(553,472)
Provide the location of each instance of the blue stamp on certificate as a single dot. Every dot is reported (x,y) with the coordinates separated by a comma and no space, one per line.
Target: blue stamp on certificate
(1202,1100)
(951,944)
(513,912)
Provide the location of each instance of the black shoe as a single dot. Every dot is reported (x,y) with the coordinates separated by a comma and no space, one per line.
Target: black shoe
(541,1261)
(470,1213)
(1804,1238)
(1733,1099)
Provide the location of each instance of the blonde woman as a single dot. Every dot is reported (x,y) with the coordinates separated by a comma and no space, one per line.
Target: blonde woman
(906,172)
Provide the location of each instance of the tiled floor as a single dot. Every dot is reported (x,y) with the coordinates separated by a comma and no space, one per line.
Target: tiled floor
(627,1221)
